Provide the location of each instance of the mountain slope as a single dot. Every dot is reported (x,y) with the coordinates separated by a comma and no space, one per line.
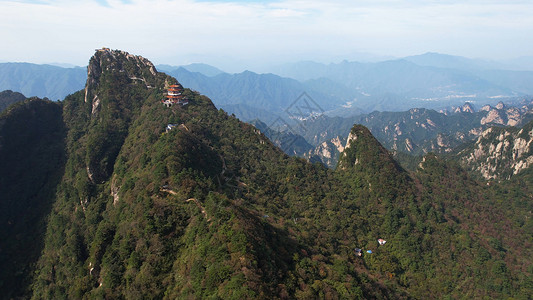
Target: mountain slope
(435,245)
(32,157)
(210,208)
(487,221)
(500,153)
(9,97)
(178,213)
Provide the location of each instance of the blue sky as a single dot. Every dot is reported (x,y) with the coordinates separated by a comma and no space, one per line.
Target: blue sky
(244,34)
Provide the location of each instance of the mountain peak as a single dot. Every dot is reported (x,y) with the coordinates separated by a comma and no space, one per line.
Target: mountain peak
(134,67)
(118,85)
(467,108)
(362,149)
(500,153)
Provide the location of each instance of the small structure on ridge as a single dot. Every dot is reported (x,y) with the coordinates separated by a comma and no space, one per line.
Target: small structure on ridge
(174,96)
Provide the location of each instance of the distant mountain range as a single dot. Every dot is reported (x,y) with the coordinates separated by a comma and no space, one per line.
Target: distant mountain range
(414,132)
(403,84)
(257,96)
(344,89)
(445,61)
(42,81)
(204,69)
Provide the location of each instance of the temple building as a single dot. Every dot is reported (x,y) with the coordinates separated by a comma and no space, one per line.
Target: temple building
(174,96)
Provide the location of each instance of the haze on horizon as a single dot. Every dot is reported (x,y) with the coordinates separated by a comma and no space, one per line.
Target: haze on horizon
(235,35)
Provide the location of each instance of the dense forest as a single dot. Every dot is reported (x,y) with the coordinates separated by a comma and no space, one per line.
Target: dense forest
(117,204)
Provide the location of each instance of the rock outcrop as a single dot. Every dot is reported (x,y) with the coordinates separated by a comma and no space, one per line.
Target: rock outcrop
(500,153)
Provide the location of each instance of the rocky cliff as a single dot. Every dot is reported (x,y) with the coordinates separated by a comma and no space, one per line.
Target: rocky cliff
(417,131)
(500,153)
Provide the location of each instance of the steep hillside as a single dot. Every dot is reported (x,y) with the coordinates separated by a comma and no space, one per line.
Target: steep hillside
(32,156)
(500,153)
(491,221)
(208,207)
(436,245)
(9,97)
(198,210)
(290,143)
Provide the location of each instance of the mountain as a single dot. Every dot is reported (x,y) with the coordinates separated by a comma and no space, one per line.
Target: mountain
(41,80)
(245,92)
(204,69)
(515,74)
(388,191)
(345,89)
(141,212)
(292,144)
(438,60)
(429,81)
(500,153)
(9,97)
(211,208)
(416,132)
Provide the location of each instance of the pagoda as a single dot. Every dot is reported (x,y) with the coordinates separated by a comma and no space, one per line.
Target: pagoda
(174,96)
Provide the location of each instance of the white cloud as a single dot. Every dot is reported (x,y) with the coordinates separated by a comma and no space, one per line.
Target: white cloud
(167,31)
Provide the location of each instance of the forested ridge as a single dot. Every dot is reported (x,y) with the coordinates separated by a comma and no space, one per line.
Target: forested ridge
(212,209)
(9,97)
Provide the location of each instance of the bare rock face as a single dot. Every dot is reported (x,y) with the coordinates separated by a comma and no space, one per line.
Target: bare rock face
(94,71)
(500,153)
(133,67)
(467,108)
(328,151)
(337,143)
(493,117)
(114,191)
(503,115)
(486,108)
(514,116)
